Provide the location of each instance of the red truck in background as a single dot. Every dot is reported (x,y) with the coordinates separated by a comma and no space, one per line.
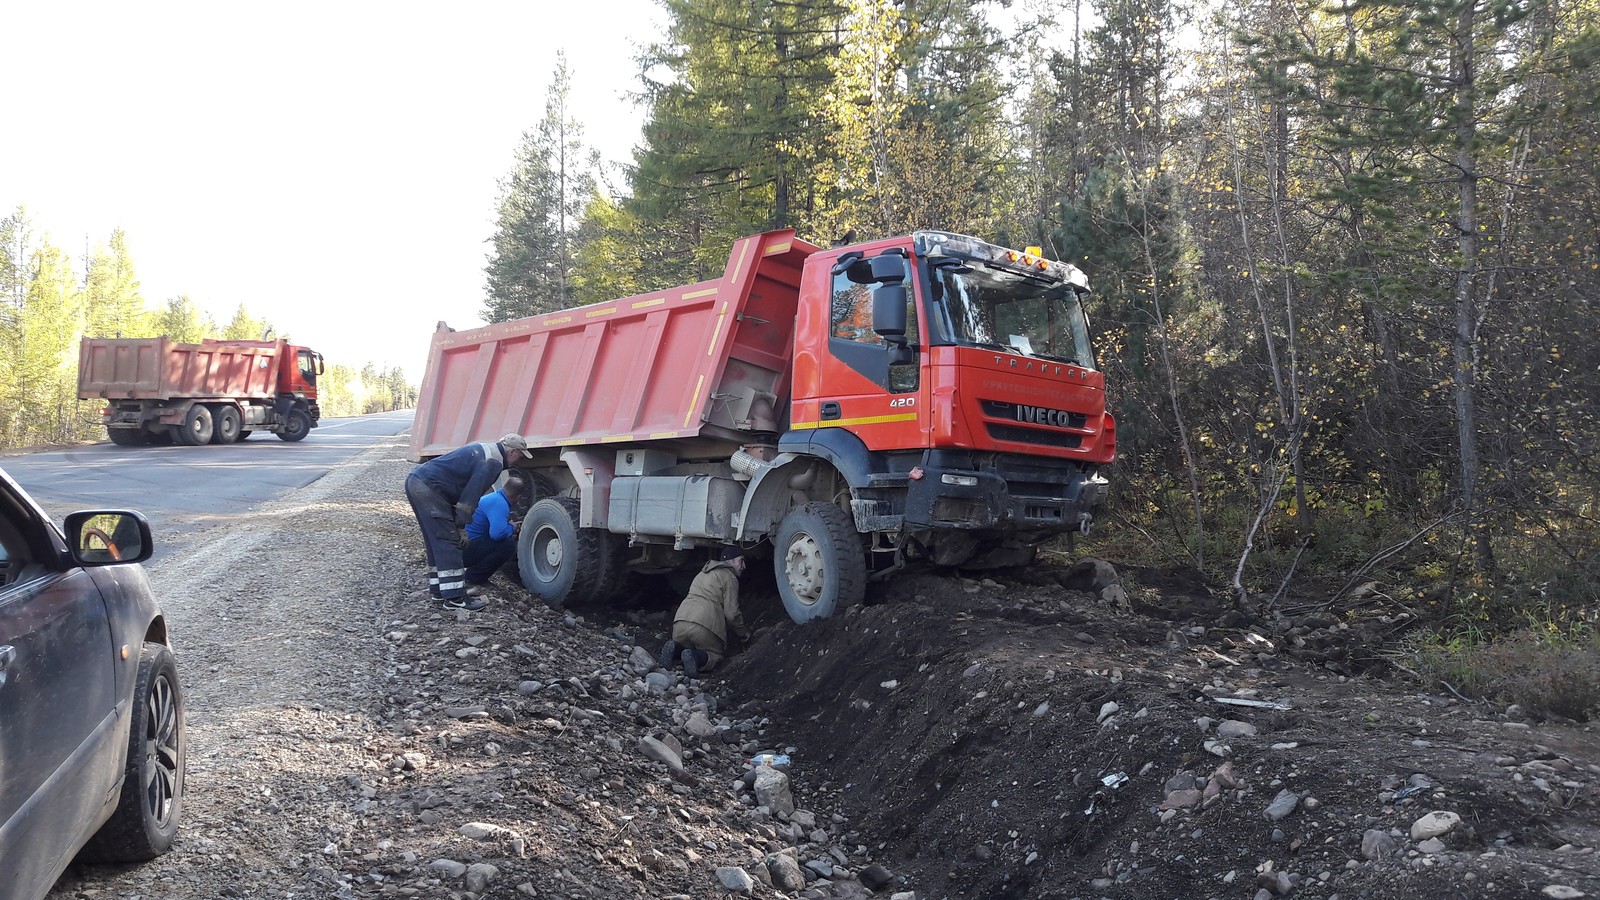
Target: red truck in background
(929,398)
(216,392)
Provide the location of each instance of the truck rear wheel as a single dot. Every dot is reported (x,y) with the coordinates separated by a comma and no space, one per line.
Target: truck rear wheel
(296,425)
(560,562)
(227,422)
(819,563)
(197,427)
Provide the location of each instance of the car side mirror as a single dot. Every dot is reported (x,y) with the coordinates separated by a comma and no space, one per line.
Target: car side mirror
(108,537)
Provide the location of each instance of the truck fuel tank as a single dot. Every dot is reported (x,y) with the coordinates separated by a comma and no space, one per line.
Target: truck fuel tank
(697,506)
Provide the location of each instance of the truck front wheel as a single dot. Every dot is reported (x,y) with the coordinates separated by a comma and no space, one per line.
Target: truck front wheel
(819,563)
(560,562)
(296,425)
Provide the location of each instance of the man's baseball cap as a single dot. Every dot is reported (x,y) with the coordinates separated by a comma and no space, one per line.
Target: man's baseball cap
(515,442)
(731,553)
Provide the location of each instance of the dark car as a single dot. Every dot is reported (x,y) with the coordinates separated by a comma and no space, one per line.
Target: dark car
(91,714)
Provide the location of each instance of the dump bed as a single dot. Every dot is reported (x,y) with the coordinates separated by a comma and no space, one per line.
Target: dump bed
(162,369)
(705,361)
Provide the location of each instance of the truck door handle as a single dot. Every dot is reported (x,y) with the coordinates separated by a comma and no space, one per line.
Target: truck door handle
(830,409)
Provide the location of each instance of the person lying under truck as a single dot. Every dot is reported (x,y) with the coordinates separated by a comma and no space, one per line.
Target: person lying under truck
(700,627)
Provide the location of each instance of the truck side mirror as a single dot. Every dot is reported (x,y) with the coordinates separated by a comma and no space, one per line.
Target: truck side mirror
(889,312)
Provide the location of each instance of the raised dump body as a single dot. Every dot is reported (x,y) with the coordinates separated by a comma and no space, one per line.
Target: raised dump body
(158,390)
(697,368)
(851,412)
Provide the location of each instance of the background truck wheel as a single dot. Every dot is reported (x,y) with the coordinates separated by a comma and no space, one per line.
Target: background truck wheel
(244,433)
(226,421)
(128,437)
(196,428)
(560,562)
(296,425)
(818,561)
(146,819)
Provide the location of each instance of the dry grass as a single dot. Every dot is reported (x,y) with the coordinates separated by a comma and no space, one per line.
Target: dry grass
(1546,674)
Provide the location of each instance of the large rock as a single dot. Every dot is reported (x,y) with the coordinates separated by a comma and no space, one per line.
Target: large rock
(1434,824)
(661,753)
(772,790)
(735,879)
(1282,805)
(1090,574)
(479,876)
(785,872)
(875,877)
(1233,728)
(700,726)
(1377,843)
(641,660)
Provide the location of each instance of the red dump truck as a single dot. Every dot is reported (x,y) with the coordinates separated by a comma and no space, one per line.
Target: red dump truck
(158,390)
(924,399)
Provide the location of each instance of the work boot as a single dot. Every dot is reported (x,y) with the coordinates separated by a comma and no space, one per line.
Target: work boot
(476,590)
(470,604)
(668,655)
(691,662)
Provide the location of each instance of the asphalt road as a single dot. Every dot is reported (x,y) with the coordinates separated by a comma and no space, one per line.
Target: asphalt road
(182,488)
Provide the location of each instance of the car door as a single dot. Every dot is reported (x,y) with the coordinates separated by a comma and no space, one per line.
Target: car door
(57,701)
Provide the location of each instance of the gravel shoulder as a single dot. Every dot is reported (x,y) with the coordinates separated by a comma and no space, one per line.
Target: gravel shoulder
(955,738)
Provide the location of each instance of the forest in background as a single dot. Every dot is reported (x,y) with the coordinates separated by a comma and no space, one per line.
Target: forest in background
(1344,254)
(47,305)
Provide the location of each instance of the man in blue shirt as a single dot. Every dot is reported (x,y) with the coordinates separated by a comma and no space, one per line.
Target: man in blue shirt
(443,494)
(491,535)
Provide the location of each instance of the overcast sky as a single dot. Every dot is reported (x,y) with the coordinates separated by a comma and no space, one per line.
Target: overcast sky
(331,165)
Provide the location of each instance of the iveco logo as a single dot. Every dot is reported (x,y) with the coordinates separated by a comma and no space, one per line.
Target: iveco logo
(1039,415)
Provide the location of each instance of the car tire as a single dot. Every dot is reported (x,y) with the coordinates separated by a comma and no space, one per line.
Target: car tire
(818,560)
(146,819)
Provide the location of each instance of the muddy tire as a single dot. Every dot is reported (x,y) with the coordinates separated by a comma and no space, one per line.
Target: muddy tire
(146,819)
(226,423)
(560,562)
(128,437)
(197,427)
(613,574)
(818,561)
(296,425)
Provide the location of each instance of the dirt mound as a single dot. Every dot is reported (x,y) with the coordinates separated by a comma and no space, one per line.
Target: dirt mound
(1009,738)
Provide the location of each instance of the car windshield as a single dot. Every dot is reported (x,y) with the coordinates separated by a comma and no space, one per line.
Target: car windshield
(984,305)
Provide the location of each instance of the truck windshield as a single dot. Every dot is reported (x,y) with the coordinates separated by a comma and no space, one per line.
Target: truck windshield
(986,306)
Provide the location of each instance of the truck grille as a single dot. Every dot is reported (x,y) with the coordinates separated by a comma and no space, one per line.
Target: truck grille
(1034,436)
(1041,416)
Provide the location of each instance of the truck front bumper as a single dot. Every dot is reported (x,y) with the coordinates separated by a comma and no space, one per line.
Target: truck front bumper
(981,492)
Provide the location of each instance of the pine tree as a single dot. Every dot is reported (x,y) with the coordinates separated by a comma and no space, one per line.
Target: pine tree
(111,293)
(184,322)
(531,267)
